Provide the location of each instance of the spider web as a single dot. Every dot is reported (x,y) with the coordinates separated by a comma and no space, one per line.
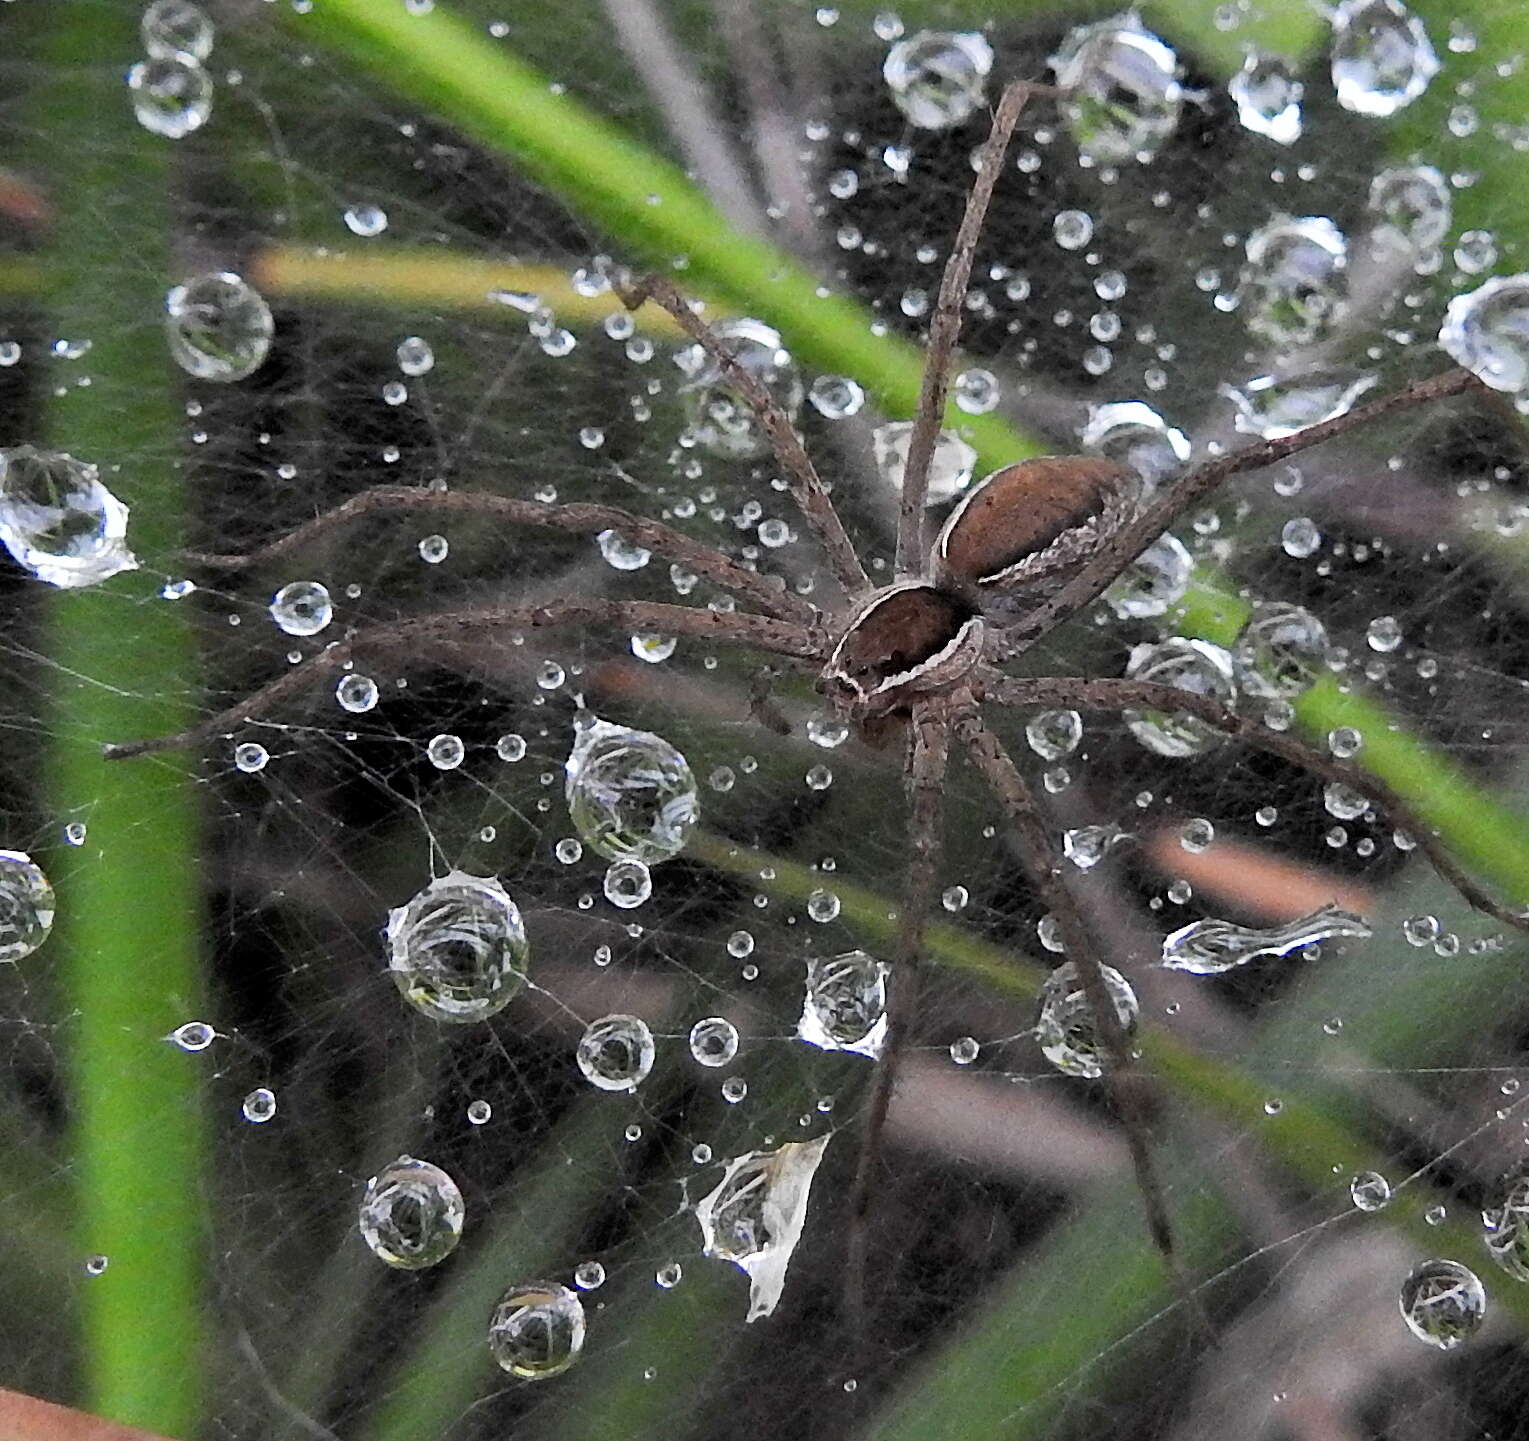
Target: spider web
(1013,1291)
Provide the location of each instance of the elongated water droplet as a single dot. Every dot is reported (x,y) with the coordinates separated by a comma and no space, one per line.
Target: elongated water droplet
(1122,96)
(458,951)
(719,419)
(58,520)
(1271,407)
(950,467)
(938,77)
(1065,1025)
(616,1053)
(1209,947)
(537,1330)
(1382,56)
(1191,665)
(1443,1303)
(1134,435)
(1294,282)
(845,1004)
(219,327)
(171,95)
(754,1216)
(411,1214)
(631,795)
(1486,330)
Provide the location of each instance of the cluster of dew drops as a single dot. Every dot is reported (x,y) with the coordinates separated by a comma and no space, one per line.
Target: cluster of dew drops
(458,950)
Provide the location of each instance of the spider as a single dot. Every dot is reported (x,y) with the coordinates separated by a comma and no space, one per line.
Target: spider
(917,660)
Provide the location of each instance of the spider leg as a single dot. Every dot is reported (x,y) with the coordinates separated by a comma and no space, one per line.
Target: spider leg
(740,628)
(1118,694)
(945,328)
(1117,551)
(1005,781)
(929,744)
(580,518)
(807,487)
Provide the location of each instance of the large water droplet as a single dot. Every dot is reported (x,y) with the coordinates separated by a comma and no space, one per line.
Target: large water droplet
(1382,57)
(631,795)
(219,327)
(1443,1303)
(718,417)
(1192,665)
(1268,98)
(950,467)
(1487,331)
(26,906)
(1280,651)
(171,95)
(411,1214)
(844,1007)
(458,950)
(1156,580)
(58,520)
(1134,435)
(1209,947)
(616,1053)
(1506,1225)
(937,77)
(1065,1025)
(754,1217)
(537,1330)
(1123,96)
(1294,281)
(1271,407)
(176,27)
(302,608)
(1412,207)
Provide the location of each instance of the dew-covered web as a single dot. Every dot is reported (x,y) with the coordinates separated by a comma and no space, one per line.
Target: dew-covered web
(442,321)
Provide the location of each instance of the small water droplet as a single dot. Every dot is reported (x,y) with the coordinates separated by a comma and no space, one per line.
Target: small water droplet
(714,1041)
(616,1053)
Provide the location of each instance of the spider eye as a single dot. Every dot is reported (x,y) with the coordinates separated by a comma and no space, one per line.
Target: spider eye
(1031,526)
(905,641)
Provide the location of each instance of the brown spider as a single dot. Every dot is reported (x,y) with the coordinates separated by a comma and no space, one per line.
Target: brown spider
(916,659)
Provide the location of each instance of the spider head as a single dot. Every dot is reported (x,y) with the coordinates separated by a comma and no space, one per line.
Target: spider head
(1029,528)
(905,642)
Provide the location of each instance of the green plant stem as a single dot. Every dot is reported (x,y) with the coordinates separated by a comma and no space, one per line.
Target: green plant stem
(123,663)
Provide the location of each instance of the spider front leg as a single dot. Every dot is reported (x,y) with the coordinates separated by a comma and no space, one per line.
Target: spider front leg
(579,518)
(928,750)
(1118,694)
(766,633)
(1008,785)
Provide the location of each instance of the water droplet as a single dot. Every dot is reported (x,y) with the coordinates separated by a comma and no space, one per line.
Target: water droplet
(620,553)
(510,747)
(616,1053)
(1383,634)
(1197,835)
(1300,537)
(1073,229)
(1191,665)
(1382,59)
(356,693)
(250,757)
(827,731)
(1370,1191)
(58,520)
(669,1276)
(1123,96)
(411,1214)
(365,220)
(1343,802)
(823,906)
(964,1050)
(176,27)
(1271,407)
(193,1036)
(938,77)
(1487,331)
(718,418)
(754,1216)
(714,1041)
(433,549)
(950,468)
(734,1089)
(1053,734)
(458,951)
(302,608)
(1086,846)
(844,1007)
(628,884)
(1294,281)
(631,795)
(1209,947)
(955,898)
(537,1330)
(1345,742)
(96,1265)
(589,1275)
(1420,930)
(445,752)
(1443,1303)
(1134,435)
(171,95)
(1065,1025)
(415,356)
(977,391)
(259,1106)
(1280,651)
(218,326)
(1154,582)
(479,1113)
(1506,1225)
(836,397)
(1268,98)
(1412,207)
